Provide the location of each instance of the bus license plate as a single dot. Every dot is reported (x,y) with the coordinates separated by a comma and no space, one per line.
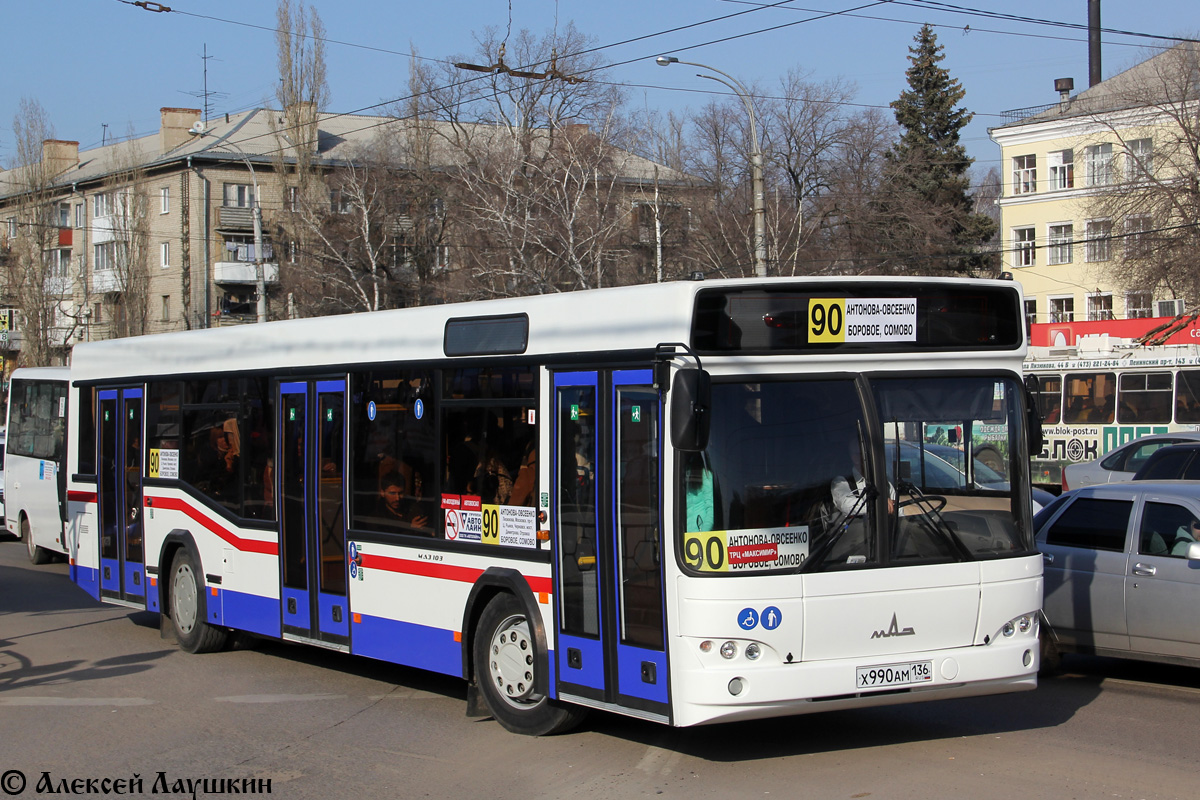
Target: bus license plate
(895,674)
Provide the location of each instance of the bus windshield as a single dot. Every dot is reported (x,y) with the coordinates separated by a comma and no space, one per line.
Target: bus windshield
(797,474)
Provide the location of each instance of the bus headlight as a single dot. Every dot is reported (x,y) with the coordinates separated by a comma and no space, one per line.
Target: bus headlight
(1008,629)
(753,651)
(729,650)
(1025,623)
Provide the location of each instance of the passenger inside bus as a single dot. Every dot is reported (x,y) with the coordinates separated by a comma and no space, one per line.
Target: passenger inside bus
(397,509)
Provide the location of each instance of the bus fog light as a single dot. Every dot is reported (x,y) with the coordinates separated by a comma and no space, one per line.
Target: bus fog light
(736,686)
(1025,623)
(1008,629)
(706,646)
(1027,659)
(729,650)
(753,651)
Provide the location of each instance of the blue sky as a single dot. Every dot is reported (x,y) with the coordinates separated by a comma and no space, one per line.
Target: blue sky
(96,62)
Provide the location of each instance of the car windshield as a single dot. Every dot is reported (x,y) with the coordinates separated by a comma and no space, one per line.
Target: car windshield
(793,477)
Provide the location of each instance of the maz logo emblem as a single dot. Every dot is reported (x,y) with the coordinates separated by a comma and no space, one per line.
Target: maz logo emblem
(893,630)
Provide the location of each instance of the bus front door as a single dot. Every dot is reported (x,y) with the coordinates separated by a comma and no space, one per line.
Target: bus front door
(311,483)
(122,557)
(607,485)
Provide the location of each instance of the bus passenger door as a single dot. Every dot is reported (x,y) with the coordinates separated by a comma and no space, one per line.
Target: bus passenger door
(608,554)
(311,483)
(122,558)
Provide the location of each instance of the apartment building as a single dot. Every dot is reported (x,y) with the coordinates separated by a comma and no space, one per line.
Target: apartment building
(1068,237)
(157,233)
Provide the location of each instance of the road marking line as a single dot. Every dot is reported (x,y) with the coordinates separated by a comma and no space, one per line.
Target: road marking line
(74,701)
(278,698)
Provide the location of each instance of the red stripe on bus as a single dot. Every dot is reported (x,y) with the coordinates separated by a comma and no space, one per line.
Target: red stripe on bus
(427,569)
(245,545)
(81,497)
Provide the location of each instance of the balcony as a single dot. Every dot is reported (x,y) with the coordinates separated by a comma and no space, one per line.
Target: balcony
(235,218)
(242,272)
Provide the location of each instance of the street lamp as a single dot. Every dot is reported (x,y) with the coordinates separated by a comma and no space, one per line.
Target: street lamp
(260,282)
(756,158)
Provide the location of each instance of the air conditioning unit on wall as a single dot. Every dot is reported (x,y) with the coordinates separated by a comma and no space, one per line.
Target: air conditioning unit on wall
(1169,308)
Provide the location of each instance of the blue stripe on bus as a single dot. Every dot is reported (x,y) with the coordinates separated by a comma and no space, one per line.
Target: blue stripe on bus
(86,578)
(629,673)
(407,643)
(246,612)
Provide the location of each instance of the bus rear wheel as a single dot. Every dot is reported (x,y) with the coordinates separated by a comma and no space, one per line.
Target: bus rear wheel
(506,668)
(188,607)
(37,554)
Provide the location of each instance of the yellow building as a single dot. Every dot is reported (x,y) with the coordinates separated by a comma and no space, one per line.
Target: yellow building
(1071,225)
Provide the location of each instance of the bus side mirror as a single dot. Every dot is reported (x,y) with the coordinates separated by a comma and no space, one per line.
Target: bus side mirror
(1033,416)
(691,396)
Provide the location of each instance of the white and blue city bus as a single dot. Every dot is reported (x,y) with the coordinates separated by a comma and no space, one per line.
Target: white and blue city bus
(683,502)
(35,486)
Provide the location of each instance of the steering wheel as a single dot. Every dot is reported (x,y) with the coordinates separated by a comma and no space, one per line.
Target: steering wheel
(937,500)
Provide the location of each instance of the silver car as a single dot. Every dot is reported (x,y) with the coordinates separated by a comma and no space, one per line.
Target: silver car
(1122,572)
(1120,463)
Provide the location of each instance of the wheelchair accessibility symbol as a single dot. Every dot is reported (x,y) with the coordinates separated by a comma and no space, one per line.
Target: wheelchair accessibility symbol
(748,619)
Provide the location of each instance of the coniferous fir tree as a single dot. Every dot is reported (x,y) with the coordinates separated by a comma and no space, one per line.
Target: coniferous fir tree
(930,218)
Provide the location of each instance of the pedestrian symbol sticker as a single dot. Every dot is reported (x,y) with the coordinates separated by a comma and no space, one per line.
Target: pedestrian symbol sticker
(748,619)
(371,411)
(574,412)
(635,414)
(771,617)
(419,408)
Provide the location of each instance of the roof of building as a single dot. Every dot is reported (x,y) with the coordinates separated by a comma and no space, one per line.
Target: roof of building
(1155,80)
(259,134)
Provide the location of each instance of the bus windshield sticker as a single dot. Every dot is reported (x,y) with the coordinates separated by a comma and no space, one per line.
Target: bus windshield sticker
(746,550)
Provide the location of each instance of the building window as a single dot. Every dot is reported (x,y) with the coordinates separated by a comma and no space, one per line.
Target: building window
(64,215)
(1137,237)
(164,200)
(166,308)
(1140,160)
(106,257)
(1030,313)
(239,195)
(1099,240)
(80,215)
(1099,307)
(102,205)
(340,202)
(1062,309)
(97,312)
(164,250)
(1100,165)
(1062,169)
(12,227)
(1024,174)
(1024,247)
(1138,305)
(293,198)
(58,263)
(1060,244)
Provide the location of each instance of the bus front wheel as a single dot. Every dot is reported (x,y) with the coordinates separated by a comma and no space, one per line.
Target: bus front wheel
(188,607)
(506,666)
(37,554)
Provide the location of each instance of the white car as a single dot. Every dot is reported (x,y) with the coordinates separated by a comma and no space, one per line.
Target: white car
(1120,464)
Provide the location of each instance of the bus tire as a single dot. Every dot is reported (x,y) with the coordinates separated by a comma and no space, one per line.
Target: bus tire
(37,553)
(188,608)
(505,664)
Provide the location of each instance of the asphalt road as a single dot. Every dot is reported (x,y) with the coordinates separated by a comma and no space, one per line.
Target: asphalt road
(92,692)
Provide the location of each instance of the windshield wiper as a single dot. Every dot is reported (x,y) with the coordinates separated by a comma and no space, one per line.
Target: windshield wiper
(933,518)
(841,525)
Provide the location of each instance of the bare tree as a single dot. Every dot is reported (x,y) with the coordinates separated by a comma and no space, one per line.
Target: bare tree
(535,170)
(129,295)
(1148,197)
(39,281)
